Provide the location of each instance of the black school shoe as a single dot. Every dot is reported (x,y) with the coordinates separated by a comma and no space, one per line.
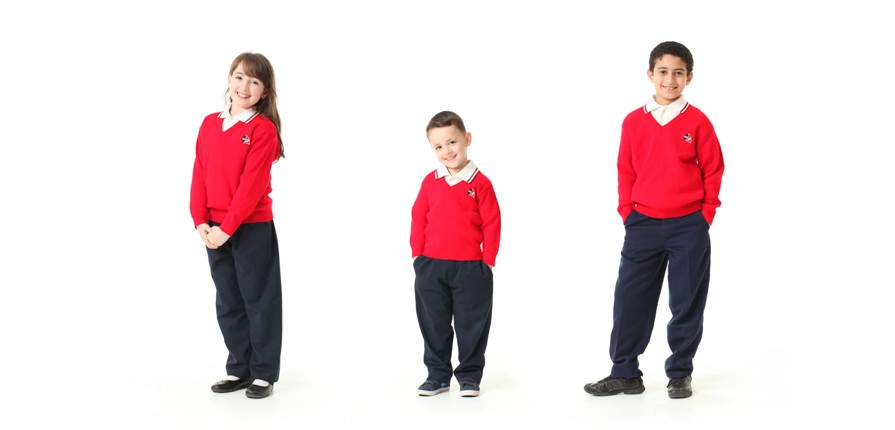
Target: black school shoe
(679,388)
(259,392)
(610,386)
(228,386)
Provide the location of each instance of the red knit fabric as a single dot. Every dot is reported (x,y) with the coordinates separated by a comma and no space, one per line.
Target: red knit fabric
(456,223)
(231,175)
(672,170)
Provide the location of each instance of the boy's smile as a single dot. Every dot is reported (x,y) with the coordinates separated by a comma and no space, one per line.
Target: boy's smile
(669,77)
(450,145)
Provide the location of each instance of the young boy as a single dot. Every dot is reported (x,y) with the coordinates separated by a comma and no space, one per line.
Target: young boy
(454,236)
(669,177)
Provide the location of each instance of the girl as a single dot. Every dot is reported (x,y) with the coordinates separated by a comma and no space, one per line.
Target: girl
(231,210)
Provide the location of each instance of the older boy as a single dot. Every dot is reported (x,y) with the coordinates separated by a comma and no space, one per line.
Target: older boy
(669,177)
(454,237)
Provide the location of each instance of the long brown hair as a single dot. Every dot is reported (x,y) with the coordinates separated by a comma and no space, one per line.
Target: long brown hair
(258,67)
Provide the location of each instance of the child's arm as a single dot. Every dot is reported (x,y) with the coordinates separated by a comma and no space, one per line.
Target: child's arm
(626,176)
(490,213)
(198,196)
(711,162)
(418,221)
(255,177)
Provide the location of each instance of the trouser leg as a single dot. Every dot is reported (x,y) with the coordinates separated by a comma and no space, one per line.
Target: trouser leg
(473,292)
(637,289)
(688,284)
(246,271)
(434,307)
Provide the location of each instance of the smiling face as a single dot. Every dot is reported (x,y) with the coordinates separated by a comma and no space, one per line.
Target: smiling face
(245,91)
(450,145)
(670,76)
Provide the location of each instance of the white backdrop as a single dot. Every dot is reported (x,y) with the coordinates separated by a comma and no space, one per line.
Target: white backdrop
(108,306)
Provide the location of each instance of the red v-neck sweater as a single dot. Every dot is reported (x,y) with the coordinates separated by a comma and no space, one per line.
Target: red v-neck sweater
(456,223)
(672,170)
(231,175)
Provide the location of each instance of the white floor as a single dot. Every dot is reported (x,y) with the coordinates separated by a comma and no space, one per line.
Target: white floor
(350,365)
(726,396)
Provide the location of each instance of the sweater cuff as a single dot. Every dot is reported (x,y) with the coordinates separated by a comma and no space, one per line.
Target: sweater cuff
(709,214)
(228,227)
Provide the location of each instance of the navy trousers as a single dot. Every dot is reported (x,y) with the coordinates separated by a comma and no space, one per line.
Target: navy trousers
(651,245)
(464,291)
(246,274)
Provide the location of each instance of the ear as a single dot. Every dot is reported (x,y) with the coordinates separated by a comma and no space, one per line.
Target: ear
(649,74)
(468,138)
(689,78)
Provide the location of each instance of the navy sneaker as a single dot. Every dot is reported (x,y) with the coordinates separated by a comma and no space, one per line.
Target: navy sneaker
(431,388)
(610,386)
(679,388)
(469,388)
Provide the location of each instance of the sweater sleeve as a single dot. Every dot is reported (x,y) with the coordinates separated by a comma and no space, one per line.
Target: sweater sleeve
(198,196)
(626,174)
(490,213)
(419,221)
(255,177)
(711,163)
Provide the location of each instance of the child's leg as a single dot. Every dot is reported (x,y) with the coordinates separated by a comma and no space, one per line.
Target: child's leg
(473,291)
(231,311)
(640,276)
(433,311)
(256,252)
(688,285)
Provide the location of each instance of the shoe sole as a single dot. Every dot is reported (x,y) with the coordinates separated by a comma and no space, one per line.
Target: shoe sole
(218,390)
(637,390)
(679,394)
(259,396)
(469,393)
(432,393)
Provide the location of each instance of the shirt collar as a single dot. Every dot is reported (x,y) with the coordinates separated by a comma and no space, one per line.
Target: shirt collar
(465,174)
(245,116)
(676,106)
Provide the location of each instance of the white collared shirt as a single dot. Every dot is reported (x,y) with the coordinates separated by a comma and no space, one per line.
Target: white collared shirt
(245,116)
(465,174)
(665,113)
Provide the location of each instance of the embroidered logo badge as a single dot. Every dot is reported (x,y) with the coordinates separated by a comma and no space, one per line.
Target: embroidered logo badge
(471,192)
(246,140)
(687,138)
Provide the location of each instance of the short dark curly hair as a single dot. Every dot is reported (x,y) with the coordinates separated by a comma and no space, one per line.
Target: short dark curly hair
(672,48)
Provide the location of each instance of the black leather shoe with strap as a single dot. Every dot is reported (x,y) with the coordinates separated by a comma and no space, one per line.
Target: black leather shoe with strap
(679,388)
